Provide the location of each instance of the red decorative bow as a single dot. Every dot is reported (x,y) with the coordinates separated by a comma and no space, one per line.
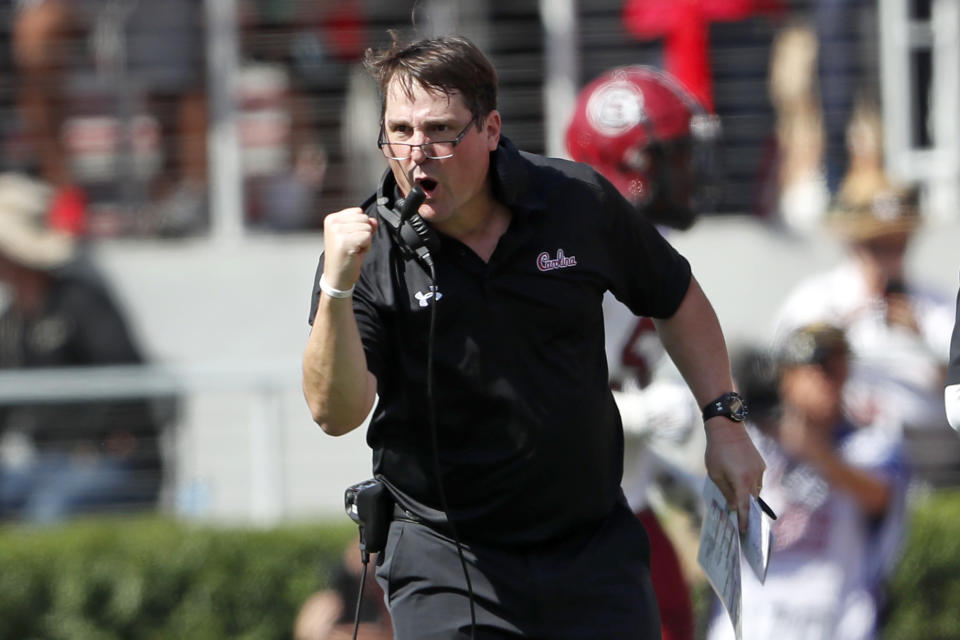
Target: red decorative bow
(683,24)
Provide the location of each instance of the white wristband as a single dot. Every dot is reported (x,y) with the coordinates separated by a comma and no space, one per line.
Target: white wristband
(330,291)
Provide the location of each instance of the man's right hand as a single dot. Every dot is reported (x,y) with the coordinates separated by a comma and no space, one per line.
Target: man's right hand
(337,385)
(347,235)
(734,464)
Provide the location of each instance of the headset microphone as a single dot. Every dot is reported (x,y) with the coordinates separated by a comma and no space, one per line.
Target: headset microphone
(409,205)
(414,236)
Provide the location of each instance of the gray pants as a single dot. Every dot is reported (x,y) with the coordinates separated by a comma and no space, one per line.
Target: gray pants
(595,587)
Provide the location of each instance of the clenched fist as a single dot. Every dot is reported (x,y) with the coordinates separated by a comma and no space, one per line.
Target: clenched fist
(347,235)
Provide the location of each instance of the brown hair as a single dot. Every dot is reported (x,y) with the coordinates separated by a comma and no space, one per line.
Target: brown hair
(815,344)
(447,65)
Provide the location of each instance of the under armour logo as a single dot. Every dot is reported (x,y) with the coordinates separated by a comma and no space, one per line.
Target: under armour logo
(425,297)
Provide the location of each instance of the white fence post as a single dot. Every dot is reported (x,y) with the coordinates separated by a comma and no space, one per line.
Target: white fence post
(226,174)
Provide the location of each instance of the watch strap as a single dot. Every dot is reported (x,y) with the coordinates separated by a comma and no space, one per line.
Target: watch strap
(725,406)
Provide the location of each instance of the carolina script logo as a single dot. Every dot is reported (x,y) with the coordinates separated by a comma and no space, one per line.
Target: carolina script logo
(546,263)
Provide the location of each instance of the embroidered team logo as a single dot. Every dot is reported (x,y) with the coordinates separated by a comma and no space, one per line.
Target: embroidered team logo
(424,297)
(546,263)
(615,107)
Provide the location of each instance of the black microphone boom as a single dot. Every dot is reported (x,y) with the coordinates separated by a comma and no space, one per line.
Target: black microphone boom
(409,205)
(413,235)
(418,238)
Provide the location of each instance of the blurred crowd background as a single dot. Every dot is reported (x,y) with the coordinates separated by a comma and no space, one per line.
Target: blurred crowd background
(167,166)
(116,102)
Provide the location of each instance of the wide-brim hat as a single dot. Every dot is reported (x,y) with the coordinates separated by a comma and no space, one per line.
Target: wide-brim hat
(25,237)
(869,206)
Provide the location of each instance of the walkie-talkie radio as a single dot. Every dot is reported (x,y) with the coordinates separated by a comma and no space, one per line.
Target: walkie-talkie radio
(370,505)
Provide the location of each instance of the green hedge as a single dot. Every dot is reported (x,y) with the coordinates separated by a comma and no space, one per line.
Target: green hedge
(925,590)
(157,579)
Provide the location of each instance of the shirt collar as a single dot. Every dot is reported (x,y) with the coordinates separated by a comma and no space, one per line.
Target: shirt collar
(511,181)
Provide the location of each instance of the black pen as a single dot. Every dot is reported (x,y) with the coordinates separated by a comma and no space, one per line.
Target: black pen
(766,508)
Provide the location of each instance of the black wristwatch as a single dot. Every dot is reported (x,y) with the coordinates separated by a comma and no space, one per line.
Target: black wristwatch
(729,404)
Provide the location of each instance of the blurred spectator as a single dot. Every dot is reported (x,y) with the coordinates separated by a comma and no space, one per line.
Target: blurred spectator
(61,459)
(840,491)
(283,162)
(148,66)
(360,117)
(952,392)
(798,186)
(330,614)
(821,67)
(283,158)
(845,33)
(899,330)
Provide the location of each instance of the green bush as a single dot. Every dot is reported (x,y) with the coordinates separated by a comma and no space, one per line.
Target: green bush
(153,579)
(925,589)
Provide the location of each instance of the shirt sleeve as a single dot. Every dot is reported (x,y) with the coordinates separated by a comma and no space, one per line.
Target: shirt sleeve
(873,449)
(649,275)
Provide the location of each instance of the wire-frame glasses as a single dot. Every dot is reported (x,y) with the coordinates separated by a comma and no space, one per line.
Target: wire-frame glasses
(435,150)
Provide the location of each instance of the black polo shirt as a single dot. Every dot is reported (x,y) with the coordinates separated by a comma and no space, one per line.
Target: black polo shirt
(530,439)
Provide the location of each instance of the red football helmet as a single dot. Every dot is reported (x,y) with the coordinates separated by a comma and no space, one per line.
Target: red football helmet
(650,137)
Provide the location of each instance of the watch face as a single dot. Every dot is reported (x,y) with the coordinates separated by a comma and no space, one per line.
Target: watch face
(730,405)
(738,410)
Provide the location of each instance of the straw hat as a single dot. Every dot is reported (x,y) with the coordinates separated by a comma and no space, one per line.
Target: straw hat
(24,236)
(869,205)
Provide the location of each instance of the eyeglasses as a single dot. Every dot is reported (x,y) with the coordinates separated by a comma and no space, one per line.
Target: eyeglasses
(437,150)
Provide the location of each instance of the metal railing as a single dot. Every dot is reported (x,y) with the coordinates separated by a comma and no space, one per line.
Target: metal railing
(68,384)
(263,384)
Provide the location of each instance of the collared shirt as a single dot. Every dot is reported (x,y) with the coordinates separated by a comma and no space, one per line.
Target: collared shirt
(529,437)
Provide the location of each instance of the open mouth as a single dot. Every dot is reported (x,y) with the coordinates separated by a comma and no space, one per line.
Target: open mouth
(428,185)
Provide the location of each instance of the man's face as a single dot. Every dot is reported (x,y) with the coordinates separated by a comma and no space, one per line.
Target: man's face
(816,390)
(452,184)
(883,258)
